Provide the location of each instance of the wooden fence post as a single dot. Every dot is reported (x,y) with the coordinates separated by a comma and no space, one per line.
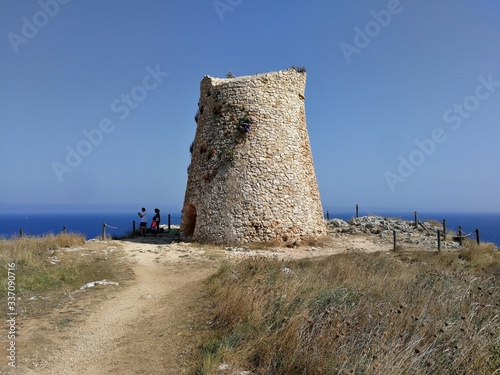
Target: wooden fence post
(20,233)
(444,229)
(460,236)
(168,222)
(478,241)
(103,231)
(439,239)
(394,239)
(415,218)
(64,229)
(357,211)
(327,215)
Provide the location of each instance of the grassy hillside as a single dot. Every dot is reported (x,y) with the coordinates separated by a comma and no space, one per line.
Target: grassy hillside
(384,313)
(45,268)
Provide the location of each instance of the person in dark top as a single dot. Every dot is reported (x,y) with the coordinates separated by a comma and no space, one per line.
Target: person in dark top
(156,220)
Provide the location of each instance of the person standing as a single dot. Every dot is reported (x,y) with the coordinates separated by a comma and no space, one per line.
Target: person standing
(156,220)
(144,221)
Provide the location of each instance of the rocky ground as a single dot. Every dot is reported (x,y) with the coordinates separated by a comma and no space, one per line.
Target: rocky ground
(424,234)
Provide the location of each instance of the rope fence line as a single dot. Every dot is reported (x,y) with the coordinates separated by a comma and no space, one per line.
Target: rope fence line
(465,235)
(169,224)
(105,225)
(440,233)
(169,219)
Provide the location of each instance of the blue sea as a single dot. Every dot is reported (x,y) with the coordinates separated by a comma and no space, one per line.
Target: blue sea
(90,225)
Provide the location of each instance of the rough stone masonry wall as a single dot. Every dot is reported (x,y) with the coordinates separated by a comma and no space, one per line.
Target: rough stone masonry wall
(258,185)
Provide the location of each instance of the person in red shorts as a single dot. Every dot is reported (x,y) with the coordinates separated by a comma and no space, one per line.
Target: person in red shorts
(155,225)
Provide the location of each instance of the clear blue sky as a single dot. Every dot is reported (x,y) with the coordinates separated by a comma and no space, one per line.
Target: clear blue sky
(98,97)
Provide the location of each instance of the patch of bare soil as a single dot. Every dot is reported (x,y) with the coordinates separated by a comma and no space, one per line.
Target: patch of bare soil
(144,325)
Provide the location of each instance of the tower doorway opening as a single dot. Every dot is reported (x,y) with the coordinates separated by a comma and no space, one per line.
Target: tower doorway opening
(189,220)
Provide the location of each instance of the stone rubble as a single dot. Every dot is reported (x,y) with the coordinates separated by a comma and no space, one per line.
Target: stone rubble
(425,234)
(95,283)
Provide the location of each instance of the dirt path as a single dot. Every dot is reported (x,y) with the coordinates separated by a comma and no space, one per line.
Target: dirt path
(144,325)
(142,328)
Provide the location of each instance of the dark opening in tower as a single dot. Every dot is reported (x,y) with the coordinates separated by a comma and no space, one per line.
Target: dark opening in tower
(189,220)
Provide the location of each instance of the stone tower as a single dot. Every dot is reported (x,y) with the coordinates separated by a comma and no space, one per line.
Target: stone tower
(251,176)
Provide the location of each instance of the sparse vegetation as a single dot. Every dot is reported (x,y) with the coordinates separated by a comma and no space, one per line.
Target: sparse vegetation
(245,124)
(299,69)
(45,268)
(203,147)
(401,312)
(230,155)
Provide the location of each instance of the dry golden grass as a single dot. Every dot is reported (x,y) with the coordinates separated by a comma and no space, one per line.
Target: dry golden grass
(34,250)
(43,269)
(382,313)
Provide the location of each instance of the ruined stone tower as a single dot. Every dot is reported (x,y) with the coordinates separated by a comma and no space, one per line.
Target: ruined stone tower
(251,176)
